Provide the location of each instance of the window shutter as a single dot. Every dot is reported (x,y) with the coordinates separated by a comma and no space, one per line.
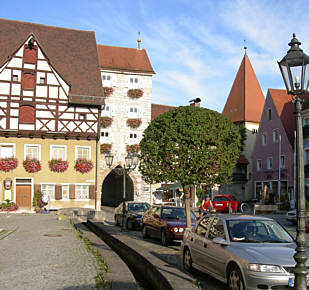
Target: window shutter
(28,80)
(30,55)
(37,187)
(91,191)
(58,192)
(26,115)
(72,191)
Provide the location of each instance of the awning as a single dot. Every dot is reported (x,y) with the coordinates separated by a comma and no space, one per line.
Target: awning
(170,187)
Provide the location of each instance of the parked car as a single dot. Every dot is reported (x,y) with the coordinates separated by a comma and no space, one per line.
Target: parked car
(133,214)
(165,222)
(221,202)
(246,252)
(291,216)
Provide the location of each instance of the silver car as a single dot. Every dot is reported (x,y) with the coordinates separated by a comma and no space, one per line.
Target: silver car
(246,252)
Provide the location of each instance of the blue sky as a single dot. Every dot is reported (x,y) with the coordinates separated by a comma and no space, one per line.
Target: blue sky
(195,47)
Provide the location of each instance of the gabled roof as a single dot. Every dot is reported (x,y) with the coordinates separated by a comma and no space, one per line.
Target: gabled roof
(124,59)
(157,110)
(245,101)
(73,53)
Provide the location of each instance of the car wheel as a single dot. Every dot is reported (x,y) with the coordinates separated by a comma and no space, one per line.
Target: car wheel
(144,232)
(129,225)
(117,221)
(164,240)
(187,261)
(235,280)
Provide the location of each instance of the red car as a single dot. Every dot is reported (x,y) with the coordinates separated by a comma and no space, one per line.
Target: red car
(221,202)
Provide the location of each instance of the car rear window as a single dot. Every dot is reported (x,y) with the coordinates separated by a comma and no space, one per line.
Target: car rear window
(220,198)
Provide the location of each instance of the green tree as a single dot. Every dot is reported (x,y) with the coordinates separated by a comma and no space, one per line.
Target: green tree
(189,145)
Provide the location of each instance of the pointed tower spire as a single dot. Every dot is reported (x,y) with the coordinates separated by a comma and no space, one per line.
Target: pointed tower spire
(245,47)
(246,100)
(139,41)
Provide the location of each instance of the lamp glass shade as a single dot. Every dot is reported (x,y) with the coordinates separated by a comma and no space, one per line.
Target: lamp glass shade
(128,160)
(109,159)
(135,159)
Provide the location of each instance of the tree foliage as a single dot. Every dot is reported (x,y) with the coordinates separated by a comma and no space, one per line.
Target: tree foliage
(190,145)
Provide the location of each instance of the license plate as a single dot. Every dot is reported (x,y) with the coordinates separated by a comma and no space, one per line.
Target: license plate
(291,282)
(219,204)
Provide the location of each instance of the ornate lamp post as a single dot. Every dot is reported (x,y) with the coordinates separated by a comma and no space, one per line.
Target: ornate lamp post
(131,161)
(294,68)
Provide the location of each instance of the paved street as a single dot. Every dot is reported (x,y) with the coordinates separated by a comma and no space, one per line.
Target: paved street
(40,252)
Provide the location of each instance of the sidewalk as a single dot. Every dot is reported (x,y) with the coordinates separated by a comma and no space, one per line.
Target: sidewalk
(41,252)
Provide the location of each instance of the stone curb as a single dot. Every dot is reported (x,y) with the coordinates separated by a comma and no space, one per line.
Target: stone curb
(159,274)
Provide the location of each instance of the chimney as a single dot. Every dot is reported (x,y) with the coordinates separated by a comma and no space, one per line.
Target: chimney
(195,102)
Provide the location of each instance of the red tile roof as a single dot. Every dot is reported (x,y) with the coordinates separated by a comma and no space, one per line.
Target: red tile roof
(242,159)
(73,53)
(245,101)
(124,59)
(157,110)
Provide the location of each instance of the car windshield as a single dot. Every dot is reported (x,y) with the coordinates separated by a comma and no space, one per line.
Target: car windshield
(257,231)
(176,214)
(138,207)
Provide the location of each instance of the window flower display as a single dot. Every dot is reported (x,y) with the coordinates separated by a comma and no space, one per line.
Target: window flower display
(58,165)
(83,165)
(32,165)
(8,164)
(134,123)
(135,93)
(106,122)
(108,91)
(106,148)
(133,148)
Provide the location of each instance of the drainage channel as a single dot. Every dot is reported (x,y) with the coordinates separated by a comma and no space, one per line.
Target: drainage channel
(140,278)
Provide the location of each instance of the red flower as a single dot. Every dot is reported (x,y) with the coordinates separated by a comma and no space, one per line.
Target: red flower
(108,91)
(58,165)
(32,165)
(8,164)
(106,122)
(135,93)
(83,165)
(106,148)
(133,148)
(134,123)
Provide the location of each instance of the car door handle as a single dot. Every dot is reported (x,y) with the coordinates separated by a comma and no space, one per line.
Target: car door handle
(205,245)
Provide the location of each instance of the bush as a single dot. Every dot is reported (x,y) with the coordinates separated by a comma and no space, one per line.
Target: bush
(37,200)
(8,206)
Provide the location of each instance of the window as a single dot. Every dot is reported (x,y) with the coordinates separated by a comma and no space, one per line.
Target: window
(26,115)
(259,165)
(217,229)
(42,80)
(264,139)
(58,152)
(107,80)
(7,150)
(106,77)
(15,78)
(133,138)
(202,227)
(275,135)
(106,110)
(282,161)
(82,117)
(82,152)
(269,114)
(105,136)
(134,82)
(65,191)
(133,112)
(269,163)
(32,151)
(81,191)
(306,156)
(48,189)
(306,121)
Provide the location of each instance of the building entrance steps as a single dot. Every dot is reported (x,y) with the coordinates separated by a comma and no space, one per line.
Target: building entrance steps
(118,274)
(161,269)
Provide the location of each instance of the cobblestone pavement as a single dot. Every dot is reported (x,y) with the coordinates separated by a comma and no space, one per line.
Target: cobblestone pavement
(41,252)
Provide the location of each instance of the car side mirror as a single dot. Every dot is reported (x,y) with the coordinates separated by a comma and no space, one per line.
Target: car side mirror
(156,216)
(221,241)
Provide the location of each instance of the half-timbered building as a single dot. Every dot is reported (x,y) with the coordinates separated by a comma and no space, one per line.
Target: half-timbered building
(50,100)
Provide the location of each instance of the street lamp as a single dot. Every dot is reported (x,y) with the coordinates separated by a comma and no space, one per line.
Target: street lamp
(131,161)
(294,68)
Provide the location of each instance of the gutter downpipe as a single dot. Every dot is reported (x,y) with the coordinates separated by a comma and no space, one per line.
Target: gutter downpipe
(96,162)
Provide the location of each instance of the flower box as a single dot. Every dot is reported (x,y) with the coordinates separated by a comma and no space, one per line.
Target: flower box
(58,165)
(83,165)
(106,148)
(8,206)
(32,165)
(134,123)
(135,93)
(133,148)
(108,91)
(8,164)
(106,122)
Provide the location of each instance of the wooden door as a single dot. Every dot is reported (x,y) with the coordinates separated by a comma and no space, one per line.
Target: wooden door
(23,196)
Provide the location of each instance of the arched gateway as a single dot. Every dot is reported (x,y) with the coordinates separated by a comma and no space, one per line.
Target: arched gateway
(112,189)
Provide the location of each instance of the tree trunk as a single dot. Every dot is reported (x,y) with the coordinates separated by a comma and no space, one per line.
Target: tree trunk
(188,207)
